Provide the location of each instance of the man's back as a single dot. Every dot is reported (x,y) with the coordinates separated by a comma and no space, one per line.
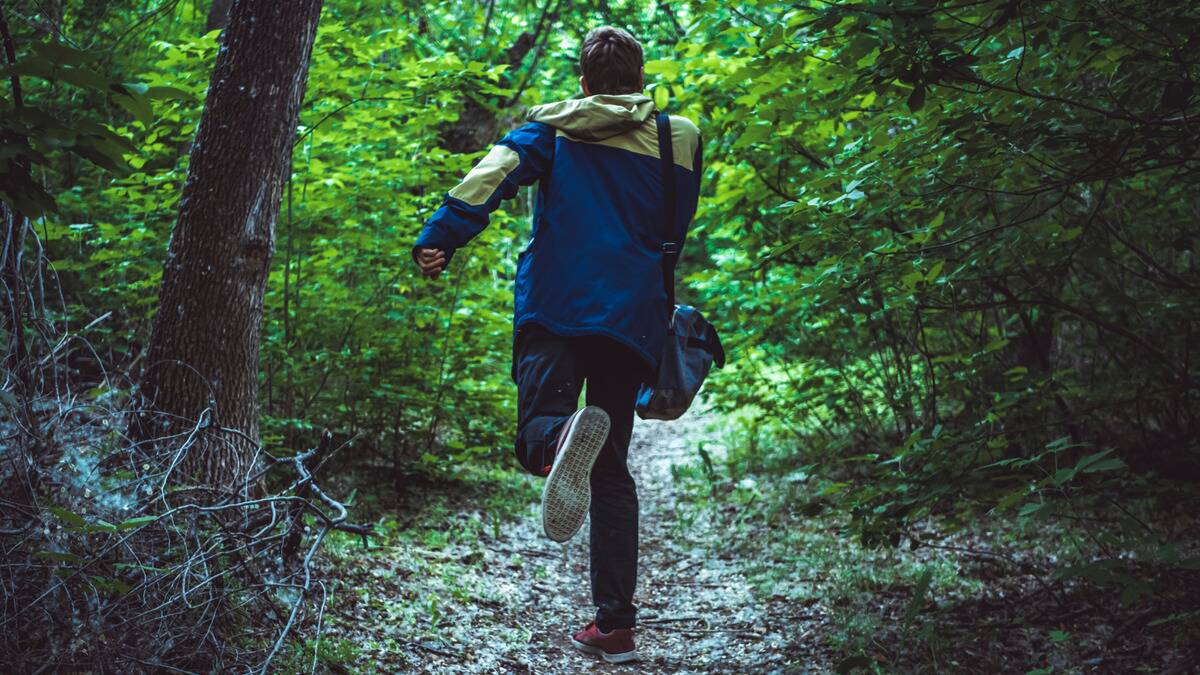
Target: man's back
(593,264)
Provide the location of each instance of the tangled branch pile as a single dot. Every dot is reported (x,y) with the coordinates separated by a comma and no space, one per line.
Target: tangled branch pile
(108,553)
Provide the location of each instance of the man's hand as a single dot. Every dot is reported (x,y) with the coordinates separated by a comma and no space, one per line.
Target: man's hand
(431,261)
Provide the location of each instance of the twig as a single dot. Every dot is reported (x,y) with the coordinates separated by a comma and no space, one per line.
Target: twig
(11,54)
(672,619)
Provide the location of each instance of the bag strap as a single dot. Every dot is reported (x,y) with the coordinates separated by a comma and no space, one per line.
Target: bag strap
(670,247)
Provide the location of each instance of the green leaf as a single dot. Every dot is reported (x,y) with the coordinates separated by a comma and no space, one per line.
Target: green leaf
(753,133)
(133,101)
(1031,509)
(136,522)
(110,584)
(1110,464)
(911,279)
(668,68)
(661,97)
(100,525)
(83,78)
(995,345)
(919,592)
(164,92)
(132,88)
(56,556)
(916,100)
(1063,476)
(60,53)
(67,517)
(868,60)
(935,271)
(1088,464)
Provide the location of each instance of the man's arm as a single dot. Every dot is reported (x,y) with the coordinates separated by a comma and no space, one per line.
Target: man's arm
(520,158)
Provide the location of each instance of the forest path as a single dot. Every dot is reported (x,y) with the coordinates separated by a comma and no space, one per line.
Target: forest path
(527,594)
(697,612)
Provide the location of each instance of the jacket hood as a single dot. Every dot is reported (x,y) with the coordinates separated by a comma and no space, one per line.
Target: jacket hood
(597,117)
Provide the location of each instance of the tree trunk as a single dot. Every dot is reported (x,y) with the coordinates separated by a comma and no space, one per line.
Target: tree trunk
(202,366)
(218,15)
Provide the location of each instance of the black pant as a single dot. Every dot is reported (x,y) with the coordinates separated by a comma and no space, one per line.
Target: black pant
(550,371)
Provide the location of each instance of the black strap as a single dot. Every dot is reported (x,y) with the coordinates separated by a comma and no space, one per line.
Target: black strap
(670,247)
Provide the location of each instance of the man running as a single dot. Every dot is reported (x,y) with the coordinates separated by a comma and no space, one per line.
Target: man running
(590,300)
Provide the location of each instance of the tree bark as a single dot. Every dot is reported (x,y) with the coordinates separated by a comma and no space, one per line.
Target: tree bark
(202,364)
(218,15)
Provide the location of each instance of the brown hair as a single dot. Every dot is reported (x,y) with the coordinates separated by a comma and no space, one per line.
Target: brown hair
(611,61)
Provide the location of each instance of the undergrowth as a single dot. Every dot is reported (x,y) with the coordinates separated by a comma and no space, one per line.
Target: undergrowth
(957,593)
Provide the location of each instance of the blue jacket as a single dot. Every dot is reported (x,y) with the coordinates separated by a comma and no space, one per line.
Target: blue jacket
(593,264)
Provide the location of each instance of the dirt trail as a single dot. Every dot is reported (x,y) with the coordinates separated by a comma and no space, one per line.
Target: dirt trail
(697,611)
(459,589)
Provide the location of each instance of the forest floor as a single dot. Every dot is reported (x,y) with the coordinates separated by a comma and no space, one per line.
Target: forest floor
(737,575)
(510,602)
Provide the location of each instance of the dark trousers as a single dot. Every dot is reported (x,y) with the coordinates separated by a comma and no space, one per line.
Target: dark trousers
(550,371)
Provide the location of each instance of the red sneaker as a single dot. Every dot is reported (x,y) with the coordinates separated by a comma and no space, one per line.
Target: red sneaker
(615,646)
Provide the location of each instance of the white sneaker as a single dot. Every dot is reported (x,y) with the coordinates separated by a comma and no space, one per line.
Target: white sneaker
(567,495)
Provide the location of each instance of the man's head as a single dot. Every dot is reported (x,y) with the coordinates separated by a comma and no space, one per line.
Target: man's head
(611,61)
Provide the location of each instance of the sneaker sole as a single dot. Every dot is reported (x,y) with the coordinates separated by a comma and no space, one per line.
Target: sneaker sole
(567,495)
(623,657)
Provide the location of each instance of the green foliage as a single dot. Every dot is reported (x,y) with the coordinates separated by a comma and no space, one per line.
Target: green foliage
(328,653)
(33,131)
(355,340)
(951,248)
(947,236)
